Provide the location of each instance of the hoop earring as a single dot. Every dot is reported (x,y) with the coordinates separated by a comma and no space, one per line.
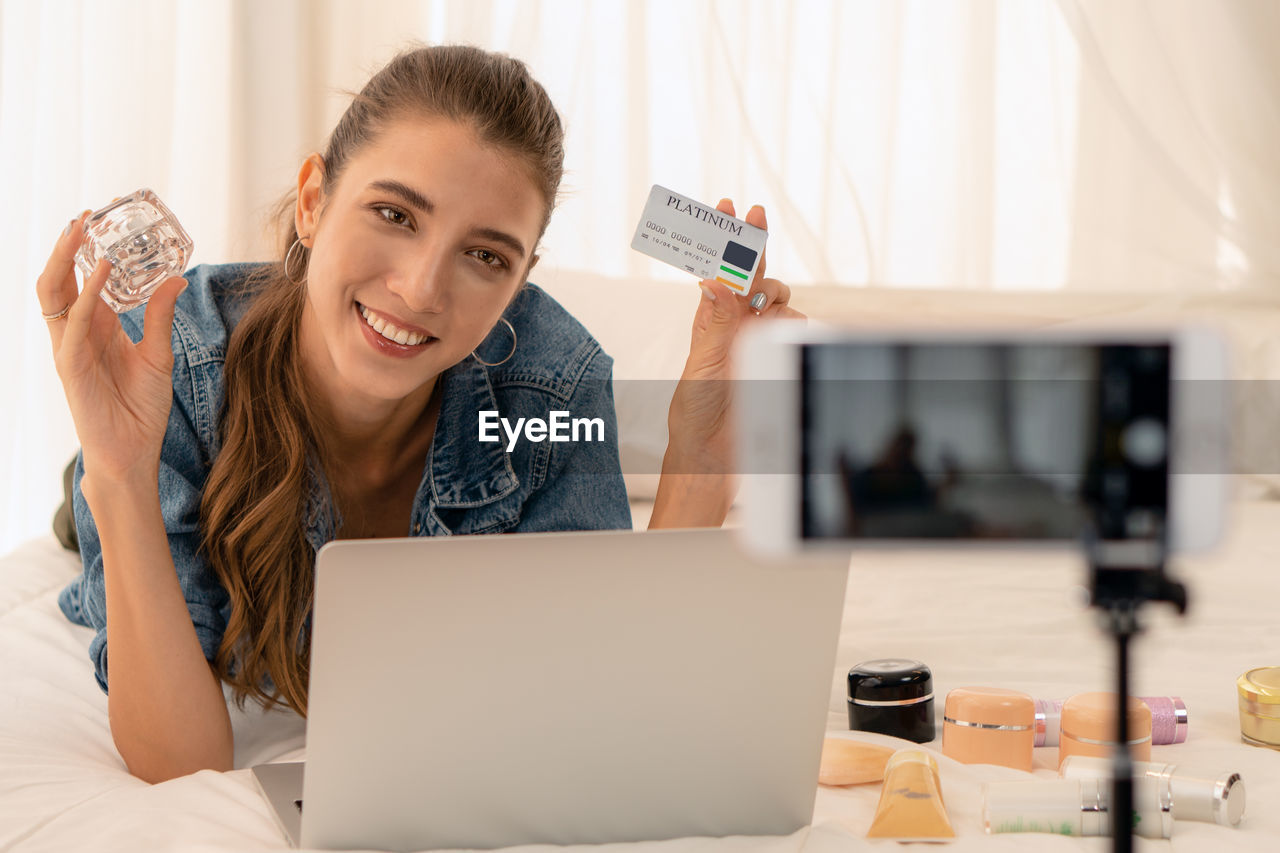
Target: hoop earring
(513,346)
(288,262)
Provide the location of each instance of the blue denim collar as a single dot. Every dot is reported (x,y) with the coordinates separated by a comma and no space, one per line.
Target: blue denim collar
(465,472)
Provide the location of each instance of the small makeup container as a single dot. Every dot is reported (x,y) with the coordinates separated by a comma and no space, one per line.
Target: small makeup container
(1089,727)
(1259,691)
(1203,797)
(1168,719)
(988,725)
(144,242)
(892,696)
(1079,807)
(1048,719)
(1169,722)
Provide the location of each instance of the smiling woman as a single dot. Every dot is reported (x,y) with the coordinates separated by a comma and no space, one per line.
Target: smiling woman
(429,232)
(335,393)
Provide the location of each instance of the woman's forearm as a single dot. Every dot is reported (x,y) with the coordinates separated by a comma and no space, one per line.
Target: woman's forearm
(691,499)
(168,715)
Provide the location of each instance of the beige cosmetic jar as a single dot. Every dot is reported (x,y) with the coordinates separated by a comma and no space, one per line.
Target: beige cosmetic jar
(1089,726)
(988,725)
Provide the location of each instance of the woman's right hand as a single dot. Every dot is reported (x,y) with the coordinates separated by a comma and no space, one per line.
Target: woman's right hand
(119,392)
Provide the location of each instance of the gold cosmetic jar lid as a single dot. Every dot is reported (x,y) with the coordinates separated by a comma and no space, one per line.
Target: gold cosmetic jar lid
(1261,686)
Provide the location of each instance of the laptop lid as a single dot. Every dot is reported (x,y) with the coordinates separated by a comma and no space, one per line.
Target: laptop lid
(565,688)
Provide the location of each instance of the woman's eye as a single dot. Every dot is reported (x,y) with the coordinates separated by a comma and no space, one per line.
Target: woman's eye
(489,259)
(395,217)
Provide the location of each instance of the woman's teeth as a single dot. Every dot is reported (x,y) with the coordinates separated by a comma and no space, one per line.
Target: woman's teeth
(390,331)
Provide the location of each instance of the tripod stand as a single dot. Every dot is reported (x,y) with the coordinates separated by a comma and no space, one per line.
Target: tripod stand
(1124,575)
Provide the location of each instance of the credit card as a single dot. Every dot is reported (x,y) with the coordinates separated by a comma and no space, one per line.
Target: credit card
(699,239)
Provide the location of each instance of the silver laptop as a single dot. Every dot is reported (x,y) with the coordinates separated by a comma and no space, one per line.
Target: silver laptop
(560,688)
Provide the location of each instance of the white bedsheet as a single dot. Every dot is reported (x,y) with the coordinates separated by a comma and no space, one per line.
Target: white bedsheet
(977,618)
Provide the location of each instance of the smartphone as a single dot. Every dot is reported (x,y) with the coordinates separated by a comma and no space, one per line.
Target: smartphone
(1040,438)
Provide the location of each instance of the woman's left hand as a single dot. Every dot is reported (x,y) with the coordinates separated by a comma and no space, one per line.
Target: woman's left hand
(698,485)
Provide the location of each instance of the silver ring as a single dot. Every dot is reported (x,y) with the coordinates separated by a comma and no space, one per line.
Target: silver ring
(995,727)
(57,315)
(891,703)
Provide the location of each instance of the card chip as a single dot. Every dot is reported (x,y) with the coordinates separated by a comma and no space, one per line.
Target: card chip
(739,255)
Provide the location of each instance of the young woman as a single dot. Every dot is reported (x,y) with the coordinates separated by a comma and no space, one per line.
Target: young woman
(337,394)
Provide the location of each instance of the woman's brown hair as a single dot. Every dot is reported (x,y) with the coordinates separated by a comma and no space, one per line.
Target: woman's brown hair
(255,509)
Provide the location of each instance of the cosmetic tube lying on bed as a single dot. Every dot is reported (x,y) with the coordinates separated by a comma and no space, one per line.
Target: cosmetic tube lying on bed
(911,807)
(1205,797)
(1168,720)
(1074,807)
(851,762)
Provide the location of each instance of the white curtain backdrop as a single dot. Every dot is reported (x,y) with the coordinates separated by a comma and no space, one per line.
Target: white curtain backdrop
(1178,176)
(980,144)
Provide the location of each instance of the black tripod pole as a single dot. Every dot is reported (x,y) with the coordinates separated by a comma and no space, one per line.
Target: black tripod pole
(1119,593)
(1123,618)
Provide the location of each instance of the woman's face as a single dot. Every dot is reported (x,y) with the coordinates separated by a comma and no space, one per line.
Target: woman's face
(415,254)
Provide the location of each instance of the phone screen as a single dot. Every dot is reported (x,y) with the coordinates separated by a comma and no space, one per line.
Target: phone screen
(965,440)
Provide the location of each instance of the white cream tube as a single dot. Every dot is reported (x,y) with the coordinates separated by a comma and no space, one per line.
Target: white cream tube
(1205,797)
(1078,807)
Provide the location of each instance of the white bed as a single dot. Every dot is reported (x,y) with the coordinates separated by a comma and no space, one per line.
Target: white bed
(1005,618)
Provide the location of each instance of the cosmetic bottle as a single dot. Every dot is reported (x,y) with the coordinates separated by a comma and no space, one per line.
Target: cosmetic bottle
(1074,807)
(851,762)
(144,242)
(1169,722)
(911,806)
(1204,797)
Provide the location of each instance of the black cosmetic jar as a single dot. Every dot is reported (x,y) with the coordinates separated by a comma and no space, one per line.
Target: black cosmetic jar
(892,696)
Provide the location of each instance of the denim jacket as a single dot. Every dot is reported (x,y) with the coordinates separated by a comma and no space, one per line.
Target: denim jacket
(467,486)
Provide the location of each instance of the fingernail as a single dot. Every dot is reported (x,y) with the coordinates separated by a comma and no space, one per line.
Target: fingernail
(757,301)
(67,230)
(708,292)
